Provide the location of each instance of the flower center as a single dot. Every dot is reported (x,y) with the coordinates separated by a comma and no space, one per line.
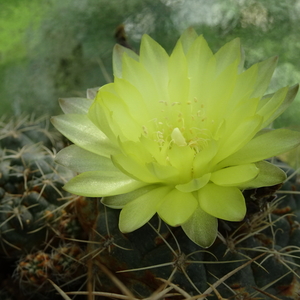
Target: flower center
(183,124)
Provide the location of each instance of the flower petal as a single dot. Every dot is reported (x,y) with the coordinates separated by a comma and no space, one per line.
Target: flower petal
(138,76)
(268,175)
(201,228)
(118,110)
(244,86)
(155,60)
(194,185)
(82,132)
(175,154)
(75,105)
(272,105)
(102,183)
(225,81)
(290,96)
(80,160)
(264,146)
(237,139)
(163,173)
(177,207)
(225,203)
(203,158)
(188,38)
(118,53)
(119,201)
(201,71)
(140,210)
(131,166)
(92,92)
(133,100)
(244,110)
(179,83)
(264,74)
(228,54)
(137,150)
(101,118)
(233,176)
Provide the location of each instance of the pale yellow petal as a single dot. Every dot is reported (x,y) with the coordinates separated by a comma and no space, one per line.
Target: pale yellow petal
(81,131)
(234,176)
(187,39)
(155,60)
(266,145)
(238,138)
(268,175)
(227,54)
(119,201)
(101,118)
(75,105)
(177,207)
(80,160)
(102,183)
(178,85)
(118,54)
(133,100)
(264,74)
(134,167)
(194,185)
(225,203)
(201,228)
(140,210)
(135,73)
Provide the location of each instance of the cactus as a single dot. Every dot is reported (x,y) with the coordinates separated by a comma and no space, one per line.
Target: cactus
(54,248)
(259,255)
(16,133)
(31,198)
(33,270)
(35,213)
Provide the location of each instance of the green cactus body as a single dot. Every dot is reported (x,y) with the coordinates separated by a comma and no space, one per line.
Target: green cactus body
(31,195)
(75,242)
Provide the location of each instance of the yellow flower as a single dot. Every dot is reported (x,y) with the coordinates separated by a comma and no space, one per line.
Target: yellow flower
(179,135)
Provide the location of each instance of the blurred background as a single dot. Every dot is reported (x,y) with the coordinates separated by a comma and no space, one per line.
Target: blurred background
(52,48)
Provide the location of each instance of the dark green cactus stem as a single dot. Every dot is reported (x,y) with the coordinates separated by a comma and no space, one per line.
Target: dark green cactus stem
(54,242)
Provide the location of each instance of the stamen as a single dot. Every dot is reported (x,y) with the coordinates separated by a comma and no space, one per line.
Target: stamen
(145,130)
(164,102)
